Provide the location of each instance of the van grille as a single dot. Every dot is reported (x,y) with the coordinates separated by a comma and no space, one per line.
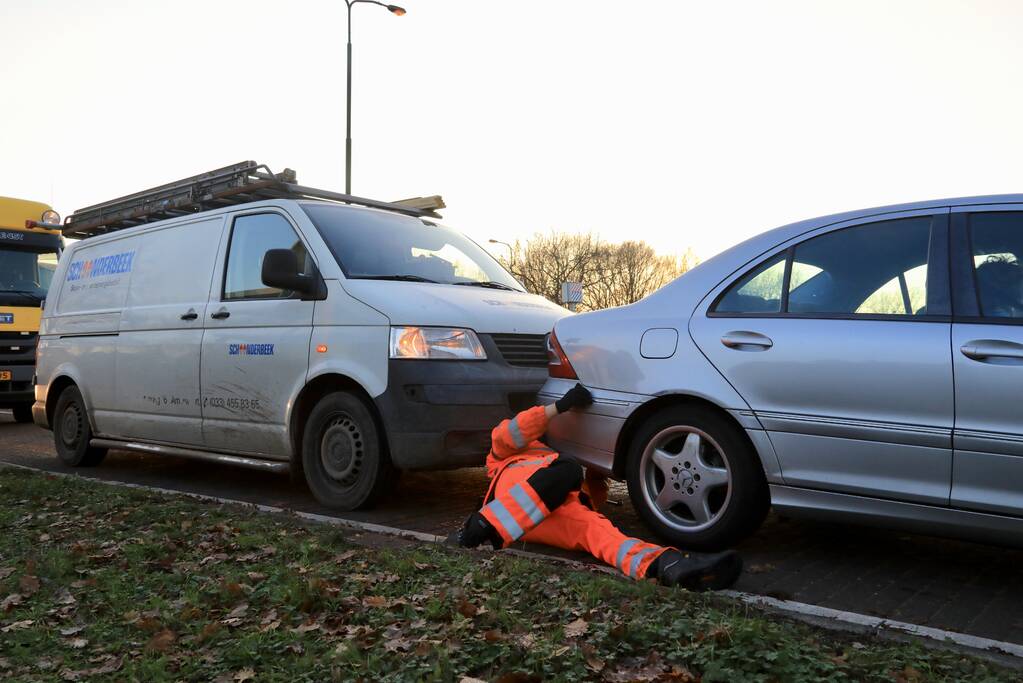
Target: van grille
(525,350)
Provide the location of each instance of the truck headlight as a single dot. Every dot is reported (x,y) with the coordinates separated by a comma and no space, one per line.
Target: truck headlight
(51,217)
(436,343)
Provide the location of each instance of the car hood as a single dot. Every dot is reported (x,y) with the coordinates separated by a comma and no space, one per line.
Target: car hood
(483,310)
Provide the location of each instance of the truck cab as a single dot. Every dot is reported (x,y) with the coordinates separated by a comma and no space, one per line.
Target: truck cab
(30,245)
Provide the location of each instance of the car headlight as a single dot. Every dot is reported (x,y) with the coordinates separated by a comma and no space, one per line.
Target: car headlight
(439,343)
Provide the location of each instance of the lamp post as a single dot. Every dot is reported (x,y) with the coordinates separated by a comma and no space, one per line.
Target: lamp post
(394,9)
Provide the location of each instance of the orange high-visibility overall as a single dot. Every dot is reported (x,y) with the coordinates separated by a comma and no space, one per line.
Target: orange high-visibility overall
(517,511)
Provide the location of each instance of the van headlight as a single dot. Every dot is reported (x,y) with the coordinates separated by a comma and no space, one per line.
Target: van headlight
(437,343)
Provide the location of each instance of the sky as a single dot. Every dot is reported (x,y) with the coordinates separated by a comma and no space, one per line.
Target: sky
(684,124)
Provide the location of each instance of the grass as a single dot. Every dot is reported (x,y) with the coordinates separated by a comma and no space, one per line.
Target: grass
(105,583)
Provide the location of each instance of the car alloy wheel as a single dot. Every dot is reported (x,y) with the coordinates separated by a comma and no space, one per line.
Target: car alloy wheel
(686,478)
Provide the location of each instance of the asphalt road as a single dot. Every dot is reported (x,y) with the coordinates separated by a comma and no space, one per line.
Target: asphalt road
(964,587)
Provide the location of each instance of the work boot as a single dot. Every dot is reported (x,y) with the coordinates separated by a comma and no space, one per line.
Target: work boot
(696,571)
(477,530)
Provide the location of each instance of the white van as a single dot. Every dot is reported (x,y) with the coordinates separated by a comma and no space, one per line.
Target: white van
(321,336)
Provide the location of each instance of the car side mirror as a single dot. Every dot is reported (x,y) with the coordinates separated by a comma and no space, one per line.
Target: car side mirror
(282,270)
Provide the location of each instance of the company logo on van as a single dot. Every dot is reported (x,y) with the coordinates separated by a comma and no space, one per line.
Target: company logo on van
(115,264)
(6,318)
(250,349)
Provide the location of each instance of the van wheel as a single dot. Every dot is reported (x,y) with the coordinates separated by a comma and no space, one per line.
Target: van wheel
(695,481)
(22,413)
(344,462)
(72,432)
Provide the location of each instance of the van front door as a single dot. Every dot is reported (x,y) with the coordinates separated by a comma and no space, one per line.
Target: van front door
(255,350)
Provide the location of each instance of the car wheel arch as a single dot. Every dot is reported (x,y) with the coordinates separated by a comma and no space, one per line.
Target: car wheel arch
(650,408)
(314,390)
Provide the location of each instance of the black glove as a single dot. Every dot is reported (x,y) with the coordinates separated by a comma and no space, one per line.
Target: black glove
(576,397)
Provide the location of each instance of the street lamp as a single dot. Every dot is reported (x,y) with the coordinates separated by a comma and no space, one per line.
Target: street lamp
(394,9)
(510,250)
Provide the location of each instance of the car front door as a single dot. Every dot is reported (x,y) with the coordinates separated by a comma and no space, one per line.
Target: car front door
(839,343)
(987,347)
(255,349)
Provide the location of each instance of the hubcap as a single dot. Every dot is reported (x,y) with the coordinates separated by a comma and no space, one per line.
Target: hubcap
(341,450)
(71,426)
(685,478)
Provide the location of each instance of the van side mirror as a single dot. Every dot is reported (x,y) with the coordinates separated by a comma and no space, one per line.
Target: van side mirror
(282,270)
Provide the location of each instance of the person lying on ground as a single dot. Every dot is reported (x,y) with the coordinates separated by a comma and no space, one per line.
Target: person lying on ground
(540,497)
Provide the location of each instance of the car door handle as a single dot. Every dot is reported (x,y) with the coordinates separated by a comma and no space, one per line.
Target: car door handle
(742,340)
(983,349)
(191,315)
(221,314)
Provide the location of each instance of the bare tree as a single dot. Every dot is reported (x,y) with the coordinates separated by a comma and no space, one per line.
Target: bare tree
(612,274)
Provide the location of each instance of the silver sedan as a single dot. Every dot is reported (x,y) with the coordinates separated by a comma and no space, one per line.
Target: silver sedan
(863,367)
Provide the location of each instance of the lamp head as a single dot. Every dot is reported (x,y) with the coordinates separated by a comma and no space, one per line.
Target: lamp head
(398,11)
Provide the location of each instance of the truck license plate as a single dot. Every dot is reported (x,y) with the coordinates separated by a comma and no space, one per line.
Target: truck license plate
(5,375)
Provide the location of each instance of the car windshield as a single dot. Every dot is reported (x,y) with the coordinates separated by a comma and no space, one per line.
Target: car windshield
(378,245)
(26,272)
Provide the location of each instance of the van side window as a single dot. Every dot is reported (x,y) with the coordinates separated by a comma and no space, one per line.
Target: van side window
(251,237)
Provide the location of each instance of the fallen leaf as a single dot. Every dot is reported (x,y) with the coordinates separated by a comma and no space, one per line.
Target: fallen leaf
(208,631)
(375,601)
(28,584)
(162,641)
(238,611)
(576,628)
(17,625)
(43,538)
(256,577)
(78,643)
(10,602)
(245,675)
(594,664)
(470,679)
(5,572)
(493,635)
(760,568)
(306,627)
(71,630)
(346,555)
(467,609)
(65,598)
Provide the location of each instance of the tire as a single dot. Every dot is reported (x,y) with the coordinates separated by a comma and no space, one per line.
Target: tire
(703,458)
(345,463)
(72,431)
(22,413)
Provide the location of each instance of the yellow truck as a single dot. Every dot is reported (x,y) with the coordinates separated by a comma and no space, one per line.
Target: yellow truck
(30,244)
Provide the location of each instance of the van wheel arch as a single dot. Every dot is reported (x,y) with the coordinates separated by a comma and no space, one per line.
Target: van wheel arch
(308,398)
(56,388)
(640,416)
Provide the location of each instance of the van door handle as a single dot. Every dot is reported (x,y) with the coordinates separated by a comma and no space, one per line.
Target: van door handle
(983,349)
(191,315)
(742,340)
(221,314)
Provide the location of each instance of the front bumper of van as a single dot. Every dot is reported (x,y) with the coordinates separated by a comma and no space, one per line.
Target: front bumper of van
(439,414)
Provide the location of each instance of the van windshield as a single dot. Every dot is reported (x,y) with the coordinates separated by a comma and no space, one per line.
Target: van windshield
(375,245)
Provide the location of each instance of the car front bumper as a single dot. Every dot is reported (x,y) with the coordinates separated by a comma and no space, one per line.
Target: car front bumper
(439,414)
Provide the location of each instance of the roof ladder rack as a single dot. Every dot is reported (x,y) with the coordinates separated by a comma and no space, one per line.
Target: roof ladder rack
(233,185)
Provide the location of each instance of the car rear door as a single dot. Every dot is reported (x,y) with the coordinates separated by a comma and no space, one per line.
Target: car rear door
(987,347)
(255,349)
(839,342)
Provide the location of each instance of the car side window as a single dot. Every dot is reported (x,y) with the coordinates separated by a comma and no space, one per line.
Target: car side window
(871,269)
(251,237)
(757,292)
(997,245)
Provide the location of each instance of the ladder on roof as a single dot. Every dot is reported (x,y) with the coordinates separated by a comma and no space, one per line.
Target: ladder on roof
(232,185)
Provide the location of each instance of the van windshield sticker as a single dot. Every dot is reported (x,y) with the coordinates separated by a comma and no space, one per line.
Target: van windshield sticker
(115,264)
(250,349)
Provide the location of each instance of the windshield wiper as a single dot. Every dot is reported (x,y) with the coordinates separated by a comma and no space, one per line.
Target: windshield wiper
(399,278)
(488,285)
(27,293)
